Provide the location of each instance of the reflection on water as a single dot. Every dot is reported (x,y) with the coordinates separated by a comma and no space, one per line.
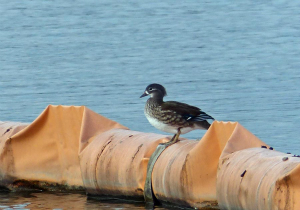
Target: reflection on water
(66,200)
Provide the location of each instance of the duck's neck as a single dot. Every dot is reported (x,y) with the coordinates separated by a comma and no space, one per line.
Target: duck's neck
(157,98)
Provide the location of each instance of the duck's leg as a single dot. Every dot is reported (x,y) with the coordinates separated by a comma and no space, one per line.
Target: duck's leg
(174,138)
(177,135)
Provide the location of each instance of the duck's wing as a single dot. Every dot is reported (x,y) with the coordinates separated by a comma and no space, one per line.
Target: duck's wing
(187,111)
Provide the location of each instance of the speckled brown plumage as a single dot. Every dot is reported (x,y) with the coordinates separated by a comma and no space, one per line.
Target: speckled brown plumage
(172,116)
(168,116)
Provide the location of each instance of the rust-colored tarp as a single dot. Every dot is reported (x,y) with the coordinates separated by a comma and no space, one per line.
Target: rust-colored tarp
(115,163)
(47,149)
(76,147)
(186,172)
(259,179)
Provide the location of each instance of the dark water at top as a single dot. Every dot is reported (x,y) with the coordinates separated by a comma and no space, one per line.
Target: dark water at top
(237,60)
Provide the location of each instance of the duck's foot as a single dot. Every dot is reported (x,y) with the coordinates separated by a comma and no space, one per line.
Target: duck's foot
(174,139)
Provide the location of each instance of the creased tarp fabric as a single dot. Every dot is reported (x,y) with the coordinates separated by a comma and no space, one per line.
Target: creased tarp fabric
(47,149)
(186,172)
(259,179)
(7,129)
(115,163)
(75,147)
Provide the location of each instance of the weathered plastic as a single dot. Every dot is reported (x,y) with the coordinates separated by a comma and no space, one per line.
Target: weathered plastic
(115,162)
(186,172)
(47,149)
(259,179)
(74,147)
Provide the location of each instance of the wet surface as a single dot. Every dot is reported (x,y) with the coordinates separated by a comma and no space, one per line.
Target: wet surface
(66,200)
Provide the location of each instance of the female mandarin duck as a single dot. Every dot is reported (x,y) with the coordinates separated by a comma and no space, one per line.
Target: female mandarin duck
(171,116)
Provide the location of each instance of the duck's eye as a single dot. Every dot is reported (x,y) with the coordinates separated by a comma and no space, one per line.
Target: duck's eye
(150,88)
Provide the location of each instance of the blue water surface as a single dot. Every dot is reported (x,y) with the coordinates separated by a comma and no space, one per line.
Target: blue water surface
(236,60)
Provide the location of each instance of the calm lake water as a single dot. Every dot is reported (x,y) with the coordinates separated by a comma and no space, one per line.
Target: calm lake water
(236,60)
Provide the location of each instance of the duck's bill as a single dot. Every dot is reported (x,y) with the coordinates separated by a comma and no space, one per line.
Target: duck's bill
(143,95)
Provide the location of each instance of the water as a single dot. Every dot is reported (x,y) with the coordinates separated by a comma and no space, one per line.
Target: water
(237,61)
(57,201)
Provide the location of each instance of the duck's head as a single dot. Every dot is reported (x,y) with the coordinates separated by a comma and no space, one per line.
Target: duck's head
(154,90)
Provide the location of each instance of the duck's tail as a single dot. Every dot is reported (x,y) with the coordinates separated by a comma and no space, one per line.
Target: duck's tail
(204,125)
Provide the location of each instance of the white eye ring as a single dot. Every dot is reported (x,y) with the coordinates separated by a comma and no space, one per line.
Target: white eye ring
(150,88)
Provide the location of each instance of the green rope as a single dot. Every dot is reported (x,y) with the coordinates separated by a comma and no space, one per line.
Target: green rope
(148,192)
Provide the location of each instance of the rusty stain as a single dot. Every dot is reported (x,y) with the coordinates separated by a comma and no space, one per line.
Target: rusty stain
(224,160)
(98,157)
(287,203)
(139,190)
(184,175)
(113,147)
(111,138)
(208,205)
(103,148)
(138,149)
(283,190)
(130,136)
(22,184)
